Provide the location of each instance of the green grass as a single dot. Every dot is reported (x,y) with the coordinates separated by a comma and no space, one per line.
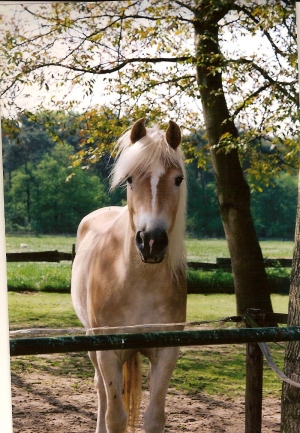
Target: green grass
(277,249)
(40,310)
(39,276)
(215,370)
(207,250)
(55,310)
(39,243)
(217,306)
(220,281)
(220,370)
(212,370)
(217,281)
(198,249)
(57,276)
(76,365)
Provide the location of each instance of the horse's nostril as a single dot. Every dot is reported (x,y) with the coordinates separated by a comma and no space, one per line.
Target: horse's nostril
(140,239)
(163,240)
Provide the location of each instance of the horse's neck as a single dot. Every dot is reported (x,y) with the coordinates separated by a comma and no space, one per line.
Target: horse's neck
(129,252)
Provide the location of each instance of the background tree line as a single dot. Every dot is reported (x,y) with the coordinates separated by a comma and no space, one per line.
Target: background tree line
(46,192)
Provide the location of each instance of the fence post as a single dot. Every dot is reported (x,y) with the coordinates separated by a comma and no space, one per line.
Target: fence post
(73,252)
(254,379)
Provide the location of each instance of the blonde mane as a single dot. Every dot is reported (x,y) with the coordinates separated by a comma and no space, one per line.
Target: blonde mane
(140,159)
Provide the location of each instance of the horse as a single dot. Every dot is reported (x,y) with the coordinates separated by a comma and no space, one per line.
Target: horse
(129,274)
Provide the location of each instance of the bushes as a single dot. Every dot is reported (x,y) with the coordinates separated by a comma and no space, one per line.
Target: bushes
(210,282)
(220,281)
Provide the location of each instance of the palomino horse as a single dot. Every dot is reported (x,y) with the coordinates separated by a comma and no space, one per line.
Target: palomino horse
(130,270)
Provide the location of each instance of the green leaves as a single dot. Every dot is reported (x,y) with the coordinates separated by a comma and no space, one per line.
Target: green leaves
(146,55)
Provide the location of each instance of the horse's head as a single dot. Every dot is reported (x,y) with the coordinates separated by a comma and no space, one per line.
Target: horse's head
(154,174)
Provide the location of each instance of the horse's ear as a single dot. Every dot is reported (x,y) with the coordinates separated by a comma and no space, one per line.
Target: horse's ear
(173,135)
(138,131)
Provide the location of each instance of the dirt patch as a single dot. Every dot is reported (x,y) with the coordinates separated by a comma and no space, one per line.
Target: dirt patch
(44,403)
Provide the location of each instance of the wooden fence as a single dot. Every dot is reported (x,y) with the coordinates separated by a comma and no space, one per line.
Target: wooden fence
(56,256)
(41,256)
(225,264)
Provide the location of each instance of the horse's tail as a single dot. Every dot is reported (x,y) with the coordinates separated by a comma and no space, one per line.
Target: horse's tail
(132,384)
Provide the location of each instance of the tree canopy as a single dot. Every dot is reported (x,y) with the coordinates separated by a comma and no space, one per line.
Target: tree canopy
(38,196)
(144,54)
(40,193)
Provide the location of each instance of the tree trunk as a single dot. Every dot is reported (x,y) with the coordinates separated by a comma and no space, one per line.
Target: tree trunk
(290,400)
(233,192)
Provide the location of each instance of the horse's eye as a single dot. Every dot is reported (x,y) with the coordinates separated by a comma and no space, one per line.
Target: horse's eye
(178,180)
(129,180)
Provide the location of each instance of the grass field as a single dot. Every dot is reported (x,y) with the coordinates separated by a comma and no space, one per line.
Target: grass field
(210,369)
(54,310)
(39,243)
(207,250)
(202,250)
(56,276)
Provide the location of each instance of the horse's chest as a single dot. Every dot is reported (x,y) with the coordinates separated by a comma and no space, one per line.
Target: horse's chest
(141,303)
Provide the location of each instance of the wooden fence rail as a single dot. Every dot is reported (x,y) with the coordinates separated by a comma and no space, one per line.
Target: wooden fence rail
(41,256)
(56,256)
(225,264)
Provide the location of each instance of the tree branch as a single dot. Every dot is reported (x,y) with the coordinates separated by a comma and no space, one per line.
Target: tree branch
(249,97)
(282,85)
(100,70)
(257,21)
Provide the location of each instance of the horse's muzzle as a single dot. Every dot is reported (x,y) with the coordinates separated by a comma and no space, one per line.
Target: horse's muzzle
(152,245)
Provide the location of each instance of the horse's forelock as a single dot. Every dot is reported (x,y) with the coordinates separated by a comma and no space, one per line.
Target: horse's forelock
(138,159)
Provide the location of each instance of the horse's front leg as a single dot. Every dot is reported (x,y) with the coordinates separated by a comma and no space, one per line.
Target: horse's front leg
(163,362)
(100,388)
(111,369)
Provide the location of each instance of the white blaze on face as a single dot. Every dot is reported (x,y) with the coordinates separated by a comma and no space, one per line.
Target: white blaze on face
(157,172)
(151,245)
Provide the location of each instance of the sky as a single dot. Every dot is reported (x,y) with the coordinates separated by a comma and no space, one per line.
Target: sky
(36,94)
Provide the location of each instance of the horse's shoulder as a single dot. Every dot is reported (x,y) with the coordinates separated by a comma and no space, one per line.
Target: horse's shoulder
(98,219)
